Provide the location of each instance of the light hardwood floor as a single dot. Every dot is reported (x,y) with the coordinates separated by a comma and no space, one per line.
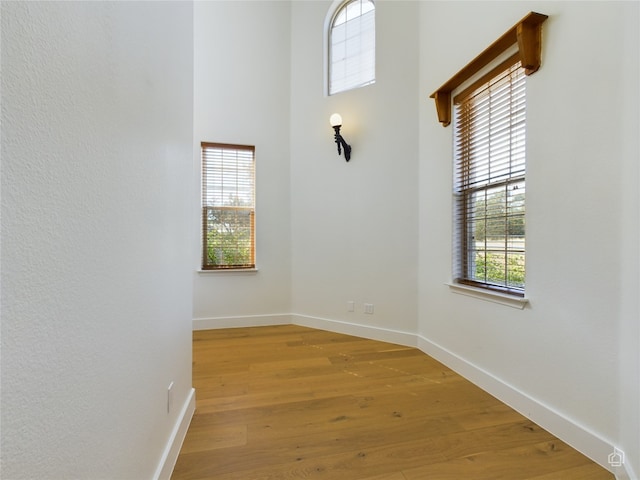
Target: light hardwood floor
(289,402)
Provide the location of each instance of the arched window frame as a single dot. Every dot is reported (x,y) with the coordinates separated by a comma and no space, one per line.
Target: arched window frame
(367,73)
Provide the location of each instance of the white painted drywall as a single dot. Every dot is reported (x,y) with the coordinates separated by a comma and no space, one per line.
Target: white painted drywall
(327,231)
(355,225)
(241,91)
(566,348)
(629,247)
(96,235)
(378,229)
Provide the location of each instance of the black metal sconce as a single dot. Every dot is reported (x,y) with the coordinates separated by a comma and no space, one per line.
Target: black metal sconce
(336,123)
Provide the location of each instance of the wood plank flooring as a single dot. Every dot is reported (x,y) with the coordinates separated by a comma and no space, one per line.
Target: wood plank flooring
(289,402)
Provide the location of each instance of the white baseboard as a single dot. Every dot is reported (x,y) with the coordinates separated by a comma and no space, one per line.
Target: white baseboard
(364,331)
(241,321)
(579,437)
(172,450)
(623,473)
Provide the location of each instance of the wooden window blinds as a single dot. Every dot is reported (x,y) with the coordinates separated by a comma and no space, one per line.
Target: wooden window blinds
(228,206)
(489,187)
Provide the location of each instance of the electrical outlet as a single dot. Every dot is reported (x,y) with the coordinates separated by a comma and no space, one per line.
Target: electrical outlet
(368,308)
(169,397)
(351,306)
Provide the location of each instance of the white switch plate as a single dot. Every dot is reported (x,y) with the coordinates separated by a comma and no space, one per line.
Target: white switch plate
(368,308)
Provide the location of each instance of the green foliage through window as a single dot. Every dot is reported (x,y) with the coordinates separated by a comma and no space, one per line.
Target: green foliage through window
(490,182)
(228,206)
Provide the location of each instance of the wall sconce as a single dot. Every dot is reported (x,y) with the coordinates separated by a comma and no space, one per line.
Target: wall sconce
(336,123)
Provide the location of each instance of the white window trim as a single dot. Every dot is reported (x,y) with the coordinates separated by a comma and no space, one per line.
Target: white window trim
(229,271)
(328,19)
(489,295)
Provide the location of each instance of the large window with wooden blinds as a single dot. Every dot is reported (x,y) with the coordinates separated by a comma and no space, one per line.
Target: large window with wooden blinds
(228,206)
(489,188)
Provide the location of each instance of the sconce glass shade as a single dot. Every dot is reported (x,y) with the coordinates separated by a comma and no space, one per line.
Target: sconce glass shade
(335,120)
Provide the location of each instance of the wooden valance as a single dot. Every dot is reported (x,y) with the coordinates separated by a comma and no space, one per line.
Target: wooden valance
(527,33)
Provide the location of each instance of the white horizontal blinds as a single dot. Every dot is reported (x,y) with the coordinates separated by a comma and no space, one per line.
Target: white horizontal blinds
(490,180)
(352,46)
(228,206)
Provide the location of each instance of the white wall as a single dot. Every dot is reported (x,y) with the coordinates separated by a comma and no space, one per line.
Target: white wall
(354,225)
(378,229)
(327,231)
(241,91)
(564,350)
(96,234)
(629,247)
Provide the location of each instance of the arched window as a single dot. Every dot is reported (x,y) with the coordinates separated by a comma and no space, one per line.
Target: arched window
(352,46)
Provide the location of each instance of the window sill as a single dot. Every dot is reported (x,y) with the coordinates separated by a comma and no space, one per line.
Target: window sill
(229,271)
(489,295)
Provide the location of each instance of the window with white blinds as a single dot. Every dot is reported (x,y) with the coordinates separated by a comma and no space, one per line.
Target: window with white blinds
(228,206)
(489,187)
(352,46)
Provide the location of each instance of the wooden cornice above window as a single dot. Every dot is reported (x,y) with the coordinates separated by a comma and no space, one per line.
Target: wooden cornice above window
(527,33)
